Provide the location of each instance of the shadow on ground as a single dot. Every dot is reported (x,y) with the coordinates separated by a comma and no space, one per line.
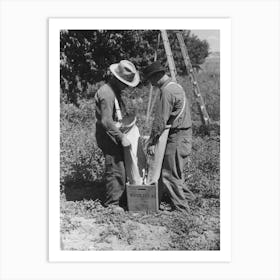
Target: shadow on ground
(80,190)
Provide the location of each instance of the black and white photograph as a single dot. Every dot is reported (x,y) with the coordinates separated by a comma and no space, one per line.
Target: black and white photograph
(139,141)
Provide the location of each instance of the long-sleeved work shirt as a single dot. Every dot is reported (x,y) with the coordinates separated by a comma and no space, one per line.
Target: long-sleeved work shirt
(169,106)
(106,112)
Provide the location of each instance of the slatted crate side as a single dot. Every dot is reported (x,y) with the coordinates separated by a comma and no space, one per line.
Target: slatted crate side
(142,198)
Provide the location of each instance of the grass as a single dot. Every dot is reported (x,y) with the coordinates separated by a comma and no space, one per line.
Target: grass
(87,225)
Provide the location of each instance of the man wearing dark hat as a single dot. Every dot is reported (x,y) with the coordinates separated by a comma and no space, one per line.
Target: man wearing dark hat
(172,109)
(109,109)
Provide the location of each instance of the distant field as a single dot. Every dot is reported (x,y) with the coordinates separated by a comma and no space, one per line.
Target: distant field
(212,63)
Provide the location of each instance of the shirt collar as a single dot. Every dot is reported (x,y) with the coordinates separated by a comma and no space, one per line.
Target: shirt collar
(165,83)
(114,89)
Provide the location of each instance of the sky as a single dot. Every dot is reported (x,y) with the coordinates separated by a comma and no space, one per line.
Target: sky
(212,36)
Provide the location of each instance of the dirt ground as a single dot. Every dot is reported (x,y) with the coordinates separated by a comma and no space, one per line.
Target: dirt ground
(87,225)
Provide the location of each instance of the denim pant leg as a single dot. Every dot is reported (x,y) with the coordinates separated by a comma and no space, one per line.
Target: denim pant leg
(114,179)
(173,183)
(172,175)
(114,176)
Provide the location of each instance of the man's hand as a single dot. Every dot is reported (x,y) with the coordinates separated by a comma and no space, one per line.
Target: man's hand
(125,141)
(151,150)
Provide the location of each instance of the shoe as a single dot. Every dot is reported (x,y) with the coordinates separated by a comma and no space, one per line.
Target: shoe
(116,209)
(165,207)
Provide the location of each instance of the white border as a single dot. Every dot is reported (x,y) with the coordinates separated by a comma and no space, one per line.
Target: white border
(57,255)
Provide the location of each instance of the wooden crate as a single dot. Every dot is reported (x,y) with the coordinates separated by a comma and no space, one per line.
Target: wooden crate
(142,198)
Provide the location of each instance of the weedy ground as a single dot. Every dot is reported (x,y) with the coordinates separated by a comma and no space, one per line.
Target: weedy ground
(87,225)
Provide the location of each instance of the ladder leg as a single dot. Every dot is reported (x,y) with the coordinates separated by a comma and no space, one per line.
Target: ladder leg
(191,73)
(169,54)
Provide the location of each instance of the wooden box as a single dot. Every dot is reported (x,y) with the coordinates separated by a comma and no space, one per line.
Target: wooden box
(142,198)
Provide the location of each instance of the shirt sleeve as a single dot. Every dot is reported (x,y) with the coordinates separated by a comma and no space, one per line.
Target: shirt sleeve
(106,114)
(162,115)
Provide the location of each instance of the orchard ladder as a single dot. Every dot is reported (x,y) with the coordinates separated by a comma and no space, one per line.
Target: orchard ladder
(169,55)
(192,76)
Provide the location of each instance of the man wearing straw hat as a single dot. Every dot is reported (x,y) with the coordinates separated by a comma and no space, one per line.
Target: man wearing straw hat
(110,139)
(173,110)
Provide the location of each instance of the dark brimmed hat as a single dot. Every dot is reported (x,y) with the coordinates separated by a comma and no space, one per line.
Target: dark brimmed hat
(153,68)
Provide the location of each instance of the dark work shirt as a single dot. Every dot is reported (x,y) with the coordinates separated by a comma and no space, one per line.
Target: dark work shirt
(169,106)
(106,113)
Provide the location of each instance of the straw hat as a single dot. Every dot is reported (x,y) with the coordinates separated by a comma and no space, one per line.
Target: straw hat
(126,72)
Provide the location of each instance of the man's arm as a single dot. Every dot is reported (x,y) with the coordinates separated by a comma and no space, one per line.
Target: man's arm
(106,112)
(162,115)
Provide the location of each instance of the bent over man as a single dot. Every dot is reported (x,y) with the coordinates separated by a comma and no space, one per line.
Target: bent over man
(172,109)
(110,139)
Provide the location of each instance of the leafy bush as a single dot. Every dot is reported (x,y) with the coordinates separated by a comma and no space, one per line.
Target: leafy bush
(203,171)
(85,55)
(80,158)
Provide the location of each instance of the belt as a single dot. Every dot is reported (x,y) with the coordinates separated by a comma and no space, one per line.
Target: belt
(175,129)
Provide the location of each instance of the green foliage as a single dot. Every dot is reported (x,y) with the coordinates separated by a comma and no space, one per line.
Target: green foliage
(204,166)
(80,158)
(85,55)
